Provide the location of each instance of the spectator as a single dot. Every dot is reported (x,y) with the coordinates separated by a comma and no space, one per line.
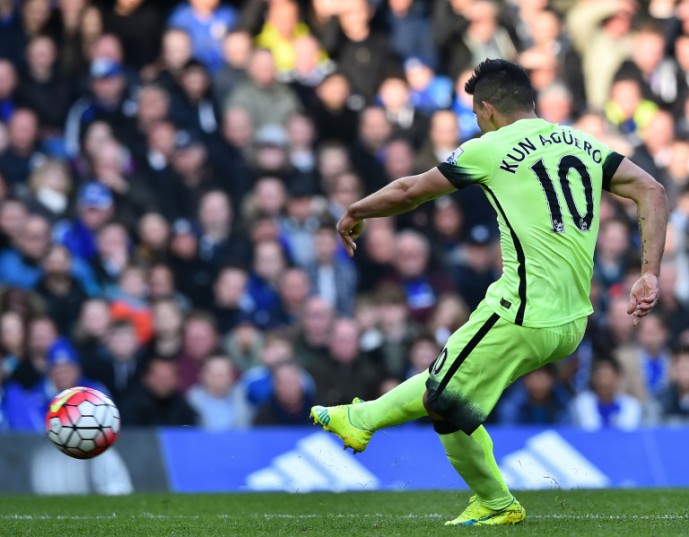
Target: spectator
(397,330)
(258,378)
(332,275)
(218,399)
(612,259)
(627,109)
(374,132)
(112,255)
(421,285)
(193,276)
(555,104)
(50,186)
(411,33)
(674,398)
(22,155)
(232,301)
(176,52)
(268,265)
(162,286)
(41,335)
(25,409)
(43,87)
(8,88)
(121,365)
(129,302)
(537,400)
(110,169)
(199,341)
(314,334)
(648,64)
(154,237)
(300,221)
(293,288)
(346,372)
(361,52)
(645,365)
(158,401)
(12,343)
(167,324)
(603,406)
(62,292)
(311,66)
(291,399)
(137,26)
(95,207)
(219,242)
(91,330)
(13,214)
(207,22)
(406,121)
(333,116)
(601,33)
(428,91)
(423,351)
(280,31)
(443,139)
(108,103)
(262,96)
(450,314)
(193,109)
(477,270)
(21,265)
(236,51)
(377,255)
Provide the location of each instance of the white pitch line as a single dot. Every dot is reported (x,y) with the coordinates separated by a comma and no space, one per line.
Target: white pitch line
(270,516)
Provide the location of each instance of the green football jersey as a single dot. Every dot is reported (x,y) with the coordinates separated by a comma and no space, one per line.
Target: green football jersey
(544,182)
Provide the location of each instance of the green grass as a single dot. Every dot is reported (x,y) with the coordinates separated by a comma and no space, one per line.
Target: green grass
(635,513)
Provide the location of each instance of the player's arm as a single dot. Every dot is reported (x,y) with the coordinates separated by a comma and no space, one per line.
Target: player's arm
(400,196)
(630,181)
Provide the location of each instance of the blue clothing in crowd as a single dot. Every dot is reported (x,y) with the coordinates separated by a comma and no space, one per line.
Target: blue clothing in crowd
(206,34)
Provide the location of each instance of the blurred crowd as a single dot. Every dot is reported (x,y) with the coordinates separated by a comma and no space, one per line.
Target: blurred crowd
(171,175)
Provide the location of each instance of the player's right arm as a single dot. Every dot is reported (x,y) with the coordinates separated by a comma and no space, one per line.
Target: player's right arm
(630,181)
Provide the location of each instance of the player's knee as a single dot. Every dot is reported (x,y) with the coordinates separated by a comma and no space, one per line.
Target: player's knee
(440,424)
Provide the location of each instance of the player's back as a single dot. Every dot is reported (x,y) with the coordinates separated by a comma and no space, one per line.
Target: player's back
(545,182)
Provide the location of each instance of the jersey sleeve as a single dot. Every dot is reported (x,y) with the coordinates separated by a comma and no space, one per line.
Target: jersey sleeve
(468,164)
(611,161)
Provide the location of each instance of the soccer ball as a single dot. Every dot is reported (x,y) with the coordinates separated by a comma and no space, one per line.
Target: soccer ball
(82,422)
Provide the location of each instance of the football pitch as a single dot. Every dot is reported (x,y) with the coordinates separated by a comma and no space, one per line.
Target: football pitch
(635,513)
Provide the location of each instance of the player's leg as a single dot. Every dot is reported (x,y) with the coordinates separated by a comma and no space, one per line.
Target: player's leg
(356,423)
(484,357)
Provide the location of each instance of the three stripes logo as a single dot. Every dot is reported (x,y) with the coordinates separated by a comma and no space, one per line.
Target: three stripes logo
(548,461)
(323,416)
(316,463)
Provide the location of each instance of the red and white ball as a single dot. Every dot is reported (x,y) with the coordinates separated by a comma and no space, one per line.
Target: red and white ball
(82,422)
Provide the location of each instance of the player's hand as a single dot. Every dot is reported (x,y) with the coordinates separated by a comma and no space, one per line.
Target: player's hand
(350,229)
(643,297)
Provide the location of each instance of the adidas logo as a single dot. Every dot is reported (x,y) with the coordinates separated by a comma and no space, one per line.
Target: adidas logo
(547,461)
(316,463)
(323,416)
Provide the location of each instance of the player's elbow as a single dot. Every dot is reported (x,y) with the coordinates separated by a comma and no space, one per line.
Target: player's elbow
(407,193)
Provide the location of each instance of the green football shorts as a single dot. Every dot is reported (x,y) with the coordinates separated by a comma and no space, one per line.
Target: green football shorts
(484,357)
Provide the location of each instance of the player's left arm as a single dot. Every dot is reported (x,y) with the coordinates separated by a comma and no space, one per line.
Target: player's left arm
(398,197)
(630,181)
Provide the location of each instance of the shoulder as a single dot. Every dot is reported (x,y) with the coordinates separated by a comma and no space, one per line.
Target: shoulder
(179,15)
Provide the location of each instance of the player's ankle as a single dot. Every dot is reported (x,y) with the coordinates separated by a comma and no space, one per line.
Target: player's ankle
(357,417)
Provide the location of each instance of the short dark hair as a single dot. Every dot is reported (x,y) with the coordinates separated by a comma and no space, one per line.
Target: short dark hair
(503,84)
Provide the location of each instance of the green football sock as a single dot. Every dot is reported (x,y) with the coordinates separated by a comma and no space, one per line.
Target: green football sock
(472,456)
(401,404)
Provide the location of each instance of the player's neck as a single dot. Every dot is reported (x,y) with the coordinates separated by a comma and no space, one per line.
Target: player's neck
(508,119)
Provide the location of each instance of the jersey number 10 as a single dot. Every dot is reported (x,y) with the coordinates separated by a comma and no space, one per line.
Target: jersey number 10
(567,163)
